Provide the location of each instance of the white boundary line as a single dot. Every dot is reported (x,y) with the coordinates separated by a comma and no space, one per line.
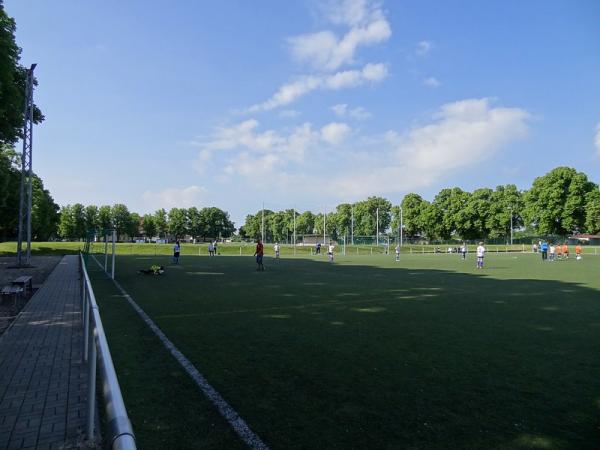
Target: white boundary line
(237,423)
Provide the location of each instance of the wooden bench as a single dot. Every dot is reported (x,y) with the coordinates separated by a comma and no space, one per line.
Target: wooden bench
(24,282)
(13,291)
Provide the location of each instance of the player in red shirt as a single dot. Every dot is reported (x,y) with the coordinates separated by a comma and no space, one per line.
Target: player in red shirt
(259,255)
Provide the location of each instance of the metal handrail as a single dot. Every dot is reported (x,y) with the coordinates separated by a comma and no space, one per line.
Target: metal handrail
(119,431)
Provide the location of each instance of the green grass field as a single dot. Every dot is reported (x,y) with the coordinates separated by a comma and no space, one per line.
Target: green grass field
(427,353)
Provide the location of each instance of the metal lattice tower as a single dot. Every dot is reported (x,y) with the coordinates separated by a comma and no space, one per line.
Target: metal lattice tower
(26,175)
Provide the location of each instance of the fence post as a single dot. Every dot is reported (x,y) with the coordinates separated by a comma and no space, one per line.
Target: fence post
(91,386)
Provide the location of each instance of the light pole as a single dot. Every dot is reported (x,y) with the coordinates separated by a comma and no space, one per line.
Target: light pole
(377,225)
(401,227)
(26,175)
(324,225)
(262,232)
(511,225)
(352,224)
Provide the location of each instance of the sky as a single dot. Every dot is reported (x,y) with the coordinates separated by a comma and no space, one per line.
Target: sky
(305,104)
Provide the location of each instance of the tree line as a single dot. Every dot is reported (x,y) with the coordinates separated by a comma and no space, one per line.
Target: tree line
(78,222)
(561,202)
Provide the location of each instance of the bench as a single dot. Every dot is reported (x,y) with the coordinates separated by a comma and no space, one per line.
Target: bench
(24,282)
(12,291)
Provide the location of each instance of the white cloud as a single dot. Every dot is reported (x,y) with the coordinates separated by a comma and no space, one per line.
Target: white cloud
(597,139)
(265,149)
(358,113)
(289,114)
(175,197)
(462,135)
(291,92)
(423,48)
(326,52)
(335,133)
(458,137)
(431,82)
(350,12)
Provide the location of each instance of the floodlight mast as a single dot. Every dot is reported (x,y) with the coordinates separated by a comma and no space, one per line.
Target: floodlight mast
(26,174)
(511,225)
(377,221)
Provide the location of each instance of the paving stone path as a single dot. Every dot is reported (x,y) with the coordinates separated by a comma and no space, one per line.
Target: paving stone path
(42,376)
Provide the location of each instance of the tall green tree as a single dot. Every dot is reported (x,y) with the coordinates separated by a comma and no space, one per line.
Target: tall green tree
(305,223)
(135,224)
(9,192)
(507,201)
(13,78)
(105,217)
(252,228)
(92,219)
(148,226)
(343,219)
(217,222)
(196,224)
(44,212)
(413,209)
(555,204)
(121,219)
(178,224)
(365,212)
(160,220)
(592,211)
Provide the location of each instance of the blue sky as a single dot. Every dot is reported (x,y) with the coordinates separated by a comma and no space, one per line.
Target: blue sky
(307,103)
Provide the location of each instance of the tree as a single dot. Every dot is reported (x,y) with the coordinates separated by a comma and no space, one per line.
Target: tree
(121,219)
(44,212)
(252,228)
(217,223)
(148,226)
(365,212)
(105,217)
(555,204)
(133,229)
(343,219)
(178,224)
(72,222)
(66,225)
(160,220)
(13,78)
(92,221)
(506,200)
(196,225)
(9,192)
(592,211)
(305,223)
(413,208)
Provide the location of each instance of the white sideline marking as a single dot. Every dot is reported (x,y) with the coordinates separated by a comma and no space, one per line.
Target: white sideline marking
(238,424)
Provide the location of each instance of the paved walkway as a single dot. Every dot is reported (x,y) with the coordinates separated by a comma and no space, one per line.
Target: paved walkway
(42,377)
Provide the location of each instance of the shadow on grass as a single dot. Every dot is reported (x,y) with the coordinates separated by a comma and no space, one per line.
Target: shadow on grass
(318,355)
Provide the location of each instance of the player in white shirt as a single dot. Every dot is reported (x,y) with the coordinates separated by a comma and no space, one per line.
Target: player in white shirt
(552,252)
(463,251)
(480,255)
(330,251)
(398,252)
(276,249)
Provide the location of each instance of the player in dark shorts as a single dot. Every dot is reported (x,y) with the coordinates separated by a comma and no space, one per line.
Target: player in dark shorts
(259,253)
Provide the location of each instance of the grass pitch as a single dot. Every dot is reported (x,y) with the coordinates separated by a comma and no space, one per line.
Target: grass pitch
(426,353)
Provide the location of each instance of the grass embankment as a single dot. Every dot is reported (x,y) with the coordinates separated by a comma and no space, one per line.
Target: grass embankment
(369,353)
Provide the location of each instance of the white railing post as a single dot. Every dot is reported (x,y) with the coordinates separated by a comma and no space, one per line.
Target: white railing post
(91,385)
